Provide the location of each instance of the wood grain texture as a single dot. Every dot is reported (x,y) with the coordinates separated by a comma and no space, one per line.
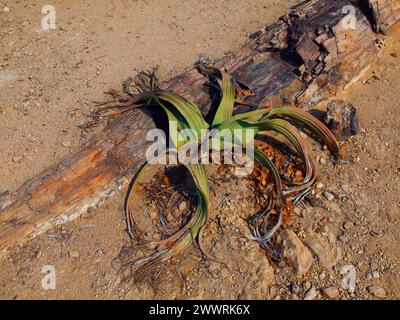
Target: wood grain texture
(303,58)
(383,13)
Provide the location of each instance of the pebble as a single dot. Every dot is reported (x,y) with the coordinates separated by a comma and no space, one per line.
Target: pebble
(346,188)
(349,278)
(17,159)
(78,114)
(330,292)
(377,291)
(376,274)
(343,238)
(182,206)
(273,291)
(329,196)
(225,273)
(319,185)
(74,254)
(295,253)
(374,266)
(6,9)
(307,285)
(170,217)
(298,211)
(377,77)
(65,144)
(348,225)
(324,247)
(153,213)
(294,288)
(311,294)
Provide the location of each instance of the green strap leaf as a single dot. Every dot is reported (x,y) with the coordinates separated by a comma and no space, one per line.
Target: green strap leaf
(225,108)
(312,124)
(188,110)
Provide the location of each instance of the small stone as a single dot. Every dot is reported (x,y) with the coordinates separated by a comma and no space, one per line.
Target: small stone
(99,252)
(74,254)
(294,288)
(272,291)
(330,292)
(377,77)
(319,185)
(374,266)
(298,211)
(348,225)
(153,213)
(182,206)
(376,274)
(78,114)
(307,285)
(343,238)
(170,217)
(329,196)
(349,278)
(377,291)
(345,187)
(65,144)
(225,273)
(91,209)
(6,9)
(295,253)
(311,294)
(324,246)
(17,159)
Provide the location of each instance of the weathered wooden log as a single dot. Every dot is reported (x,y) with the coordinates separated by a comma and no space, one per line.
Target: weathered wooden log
(382,13)
(302,59)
